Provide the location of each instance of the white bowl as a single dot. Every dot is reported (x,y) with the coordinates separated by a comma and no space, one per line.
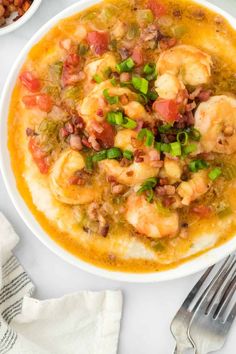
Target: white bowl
(13,25)
(185,269)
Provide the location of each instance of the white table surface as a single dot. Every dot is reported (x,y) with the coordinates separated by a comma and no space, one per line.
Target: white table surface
(148,309)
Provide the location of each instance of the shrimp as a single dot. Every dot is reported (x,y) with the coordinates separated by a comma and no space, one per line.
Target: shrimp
(190,64)
(168,86)
(123,139)
(216,121)
(95,100)
(68,163)
(191,190)
(172,169)
(149,220)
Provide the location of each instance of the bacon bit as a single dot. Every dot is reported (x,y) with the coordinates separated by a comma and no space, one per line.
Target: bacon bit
(140,123)
(70,71)
(165,190)
(75,142)
(167,202)
(111,179)
(167,43)
(151,32)
(124,53)
(138,155)
(63,132)
(182,96)
(96,127)
(190,106)
(138,56)
(86,143)
(117,189)
(30,132)
(103,230)
(100,112)
(204,95)
(202,210)
(76,180)
(94,144)
(124,77)
(163,181)
(78,121)
(66,44)
(125,162)
(69,127)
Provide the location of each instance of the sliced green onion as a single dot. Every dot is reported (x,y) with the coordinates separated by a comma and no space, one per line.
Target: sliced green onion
(114,153)
(148,186)
(129,123)
(215,173)
(82,49)
(152,95)
(194,134)
(113,81)
(148,135)
(133,31)
(149,68)
(125,66)
(89,163)
(182,138)
(107,72)
(142,98)
(128,154)
(140,84)
(165,128)
(196,165)
(189,149)
(110,99)
(175,149)
(97,78)
(99,156)
(113,116)
(163,147)
(144,16)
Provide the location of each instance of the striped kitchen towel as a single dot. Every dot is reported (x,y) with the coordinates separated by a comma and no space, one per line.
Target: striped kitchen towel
(80,323)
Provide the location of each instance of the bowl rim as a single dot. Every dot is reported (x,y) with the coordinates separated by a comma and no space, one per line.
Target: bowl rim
(189,267)
(28,14)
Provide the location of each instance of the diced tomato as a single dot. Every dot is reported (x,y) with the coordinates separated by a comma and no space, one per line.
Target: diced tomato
(70,71)
(202,210)
(107,136)
(98,41)
(41,101)
(137,56)
(30,81)
(158,9)
(39,157)
(168,109)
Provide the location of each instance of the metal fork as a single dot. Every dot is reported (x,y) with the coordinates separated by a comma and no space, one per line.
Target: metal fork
(201,322)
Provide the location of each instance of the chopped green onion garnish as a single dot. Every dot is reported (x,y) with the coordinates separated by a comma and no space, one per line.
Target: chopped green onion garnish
(125,66)
(99,156)
(152,95)
(114,153)
(142,98)
(182,138)
(195,134)
(148,185)
(148,135)
(128,154)
(129,123)
(113,117)
(165,128)
(149,69)
(215,173)
(113,81)
(89,163)
(175,149)
(110,99)
(196,165)
(163,147)
(97,78)
(140,84)
(189,149)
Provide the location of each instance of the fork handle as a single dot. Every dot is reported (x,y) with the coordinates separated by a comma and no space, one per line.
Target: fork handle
(182,350)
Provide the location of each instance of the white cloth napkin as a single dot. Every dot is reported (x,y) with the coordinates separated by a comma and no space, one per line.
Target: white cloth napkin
(82,323)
